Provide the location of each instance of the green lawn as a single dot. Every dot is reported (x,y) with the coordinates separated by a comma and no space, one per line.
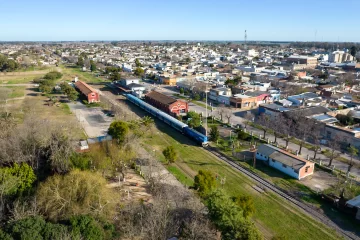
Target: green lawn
(65,108)
(88,77)
(273,213)
(183,178)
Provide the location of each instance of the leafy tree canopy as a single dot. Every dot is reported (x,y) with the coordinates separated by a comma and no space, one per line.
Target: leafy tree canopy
(118,130)
(204,182)
(170,154)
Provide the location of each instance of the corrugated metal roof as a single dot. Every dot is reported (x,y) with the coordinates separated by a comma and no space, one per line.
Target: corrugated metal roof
(84,88)
(355,202)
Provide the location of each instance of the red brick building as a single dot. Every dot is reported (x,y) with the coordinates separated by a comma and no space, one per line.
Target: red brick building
(167,104)
(91,94)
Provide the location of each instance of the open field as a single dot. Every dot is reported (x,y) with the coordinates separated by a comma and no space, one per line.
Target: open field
(273,214)
(71,72)
(23,77)
(16,91)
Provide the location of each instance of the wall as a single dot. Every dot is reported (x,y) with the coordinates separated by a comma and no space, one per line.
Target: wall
(277,165)
(93,97)
(304,174)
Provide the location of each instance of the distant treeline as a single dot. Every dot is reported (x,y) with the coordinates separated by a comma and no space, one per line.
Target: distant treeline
(325,45)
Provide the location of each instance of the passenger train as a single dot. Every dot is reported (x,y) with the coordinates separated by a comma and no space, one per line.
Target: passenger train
(171,121)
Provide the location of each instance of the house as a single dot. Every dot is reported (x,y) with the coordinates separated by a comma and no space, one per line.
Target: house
(136,89)
(167,104)
(354,206)
(308,98)
(272,109)
(83,145)
(90,93)
(171,81)
(302,60)
(243,101)
(261,97)
(285,162)
(220,95)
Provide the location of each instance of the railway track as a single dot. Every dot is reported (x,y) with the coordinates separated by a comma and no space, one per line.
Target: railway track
(266,184)
(309,210)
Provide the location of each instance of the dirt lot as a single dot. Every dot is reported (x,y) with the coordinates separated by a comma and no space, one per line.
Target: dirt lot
(93,120)
(319,181)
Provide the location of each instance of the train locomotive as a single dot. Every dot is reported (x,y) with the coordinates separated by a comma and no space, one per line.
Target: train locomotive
(171,121)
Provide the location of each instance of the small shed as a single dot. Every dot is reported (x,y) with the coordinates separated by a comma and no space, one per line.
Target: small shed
(83,145)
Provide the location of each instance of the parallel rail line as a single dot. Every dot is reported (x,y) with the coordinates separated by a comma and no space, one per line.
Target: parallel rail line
(313,212)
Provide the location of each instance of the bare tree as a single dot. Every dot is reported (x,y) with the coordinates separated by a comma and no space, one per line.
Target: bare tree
(249,116)
(221,111)
(353,151)
(286,129)
(228,114)
(334,145)
(316,136)
(264,123)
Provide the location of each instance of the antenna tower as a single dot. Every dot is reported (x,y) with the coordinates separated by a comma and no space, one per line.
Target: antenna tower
(245,40)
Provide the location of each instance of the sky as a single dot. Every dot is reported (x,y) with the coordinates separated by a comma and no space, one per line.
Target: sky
(264,20)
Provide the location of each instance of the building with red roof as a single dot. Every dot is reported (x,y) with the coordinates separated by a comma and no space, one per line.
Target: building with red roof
(90,93)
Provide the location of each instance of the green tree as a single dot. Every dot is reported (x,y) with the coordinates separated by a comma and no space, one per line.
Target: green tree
(137,63)
(92,66)
(115,76)
(194,119)
(204,182)
(228,218)
(27,229)
(241,135)
(353,51)
(139,71)
(170,154)
(214,133)
(246,203)
(54,75)
(72,94)
(85,227)
(118,130)
(197,97)
(80,62)
(181,91)
(80,161)
(25,175)
(46,86)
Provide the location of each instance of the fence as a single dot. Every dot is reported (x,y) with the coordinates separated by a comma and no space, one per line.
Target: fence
(99,139)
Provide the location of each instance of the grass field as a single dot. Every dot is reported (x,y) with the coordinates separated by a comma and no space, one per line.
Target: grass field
(23,76)
(273,215)
(71,72)
(16,91)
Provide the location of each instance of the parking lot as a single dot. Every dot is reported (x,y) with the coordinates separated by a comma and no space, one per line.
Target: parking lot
(93,119)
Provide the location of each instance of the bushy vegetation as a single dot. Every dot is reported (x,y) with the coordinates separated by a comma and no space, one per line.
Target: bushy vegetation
(77,227)
(47,83)
(194,119)
(7,65)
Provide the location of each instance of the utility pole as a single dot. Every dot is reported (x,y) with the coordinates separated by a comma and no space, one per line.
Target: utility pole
(245,41)
(206,110)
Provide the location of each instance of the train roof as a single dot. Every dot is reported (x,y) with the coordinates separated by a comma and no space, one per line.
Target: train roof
(159,112)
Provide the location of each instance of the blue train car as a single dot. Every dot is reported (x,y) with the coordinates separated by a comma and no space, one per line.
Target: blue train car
(173,122)
(198,137)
